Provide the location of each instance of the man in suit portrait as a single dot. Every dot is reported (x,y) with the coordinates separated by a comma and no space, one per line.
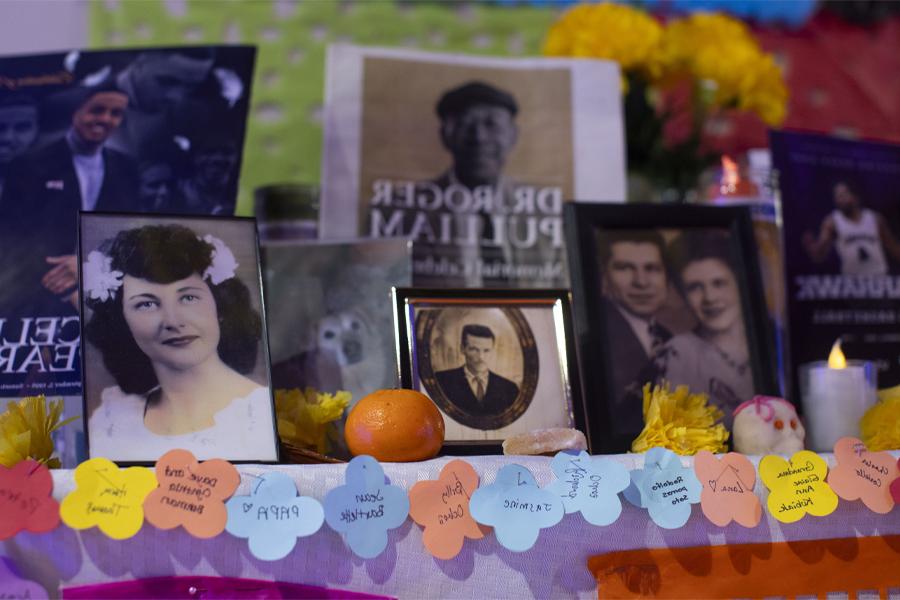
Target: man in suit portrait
(47,187)
(473,387)
(635,288)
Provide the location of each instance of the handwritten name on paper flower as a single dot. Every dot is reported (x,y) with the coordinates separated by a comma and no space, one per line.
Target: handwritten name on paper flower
(665,488)
(516,508)
(191,494)
(797,487)
(728,484)
(273,516)
(25,501)
(589,485)
(441,506)
(108,497)
(13,586)
(366,507)
(863,475)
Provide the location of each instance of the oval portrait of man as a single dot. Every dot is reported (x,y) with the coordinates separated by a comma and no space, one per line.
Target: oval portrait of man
(478,364)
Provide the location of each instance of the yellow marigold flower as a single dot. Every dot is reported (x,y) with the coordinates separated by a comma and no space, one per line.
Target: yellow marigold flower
(680,421)
(305,417)
(722,54)
(25,431)
(609,31)
(880,426)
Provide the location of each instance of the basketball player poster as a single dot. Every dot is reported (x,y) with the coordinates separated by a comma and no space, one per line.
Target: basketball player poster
(841,219)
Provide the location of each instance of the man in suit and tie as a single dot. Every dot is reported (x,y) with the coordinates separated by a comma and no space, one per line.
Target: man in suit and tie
(46,189)
(635,288)
(473,387)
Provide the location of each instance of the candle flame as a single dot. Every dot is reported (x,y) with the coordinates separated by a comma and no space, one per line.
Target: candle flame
(836,358)
(731,177)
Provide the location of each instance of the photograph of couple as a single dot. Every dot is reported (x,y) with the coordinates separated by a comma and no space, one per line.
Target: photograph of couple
(671,303)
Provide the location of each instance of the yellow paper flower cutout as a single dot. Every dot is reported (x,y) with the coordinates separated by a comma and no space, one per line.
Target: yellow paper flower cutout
(679,421)
(108,497)
(797,487)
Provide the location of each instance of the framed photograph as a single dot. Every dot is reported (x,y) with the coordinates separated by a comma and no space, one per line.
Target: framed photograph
(496,362)
(666,293)
(174,338)
(328,303)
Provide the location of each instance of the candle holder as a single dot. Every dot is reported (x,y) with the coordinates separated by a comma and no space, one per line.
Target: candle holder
(834,400)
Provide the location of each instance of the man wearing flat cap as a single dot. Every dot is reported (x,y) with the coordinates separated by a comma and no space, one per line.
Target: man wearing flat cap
(478,128)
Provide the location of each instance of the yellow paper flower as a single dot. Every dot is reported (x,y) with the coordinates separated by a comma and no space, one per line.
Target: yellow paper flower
(680,421)
(25,429)
(880,426)
(305,417)
(108,497)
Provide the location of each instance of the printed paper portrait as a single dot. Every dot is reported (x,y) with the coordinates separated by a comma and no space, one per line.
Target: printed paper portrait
(174,339)
(470,157)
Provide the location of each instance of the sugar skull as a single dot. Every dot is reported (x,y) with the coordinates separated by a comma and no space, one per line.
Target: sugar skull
(767,425)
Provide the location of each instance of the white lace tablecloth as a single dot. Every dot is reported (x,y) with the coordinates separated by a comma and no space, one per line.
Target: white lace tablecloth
(554,567)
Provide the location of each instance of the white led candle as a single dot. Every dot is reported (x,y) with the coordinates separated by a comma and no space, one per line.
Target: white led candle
(835,395)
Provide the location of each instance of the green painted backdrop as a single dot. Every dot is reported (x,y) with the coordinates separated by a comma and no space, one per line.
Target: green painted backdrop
(284,139)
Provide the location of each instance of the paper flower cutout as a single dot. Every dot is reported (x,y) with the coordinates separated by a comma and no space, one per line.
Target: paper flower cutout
(223,264)
(797,487)
(191,494)
(366,507)
(99,280)
(895,487)
(516,508)
(863,475)
(441,506)
(25,501)
(665,488)
(590,486)
(273,516)
(13,586)
(108,498)
(728,483)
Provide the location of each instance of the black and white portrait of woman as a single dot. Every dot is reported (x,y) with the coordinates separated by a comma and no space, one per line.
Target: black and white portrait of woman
(174,339)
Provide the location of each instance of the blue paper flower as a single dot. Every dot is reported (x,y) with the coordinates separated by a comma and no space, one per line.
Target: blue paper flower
(665,488)
(366,507)
(589,485)
(273,516)
(516,508)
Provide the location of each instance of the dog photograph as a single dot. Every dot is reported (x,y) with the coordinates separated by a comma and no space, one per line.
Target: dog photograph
(330,313)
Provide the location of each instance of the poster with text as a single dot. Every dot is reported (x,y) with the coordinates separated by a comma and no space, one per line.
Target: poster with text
(141,130)
(470,157)
(841,214)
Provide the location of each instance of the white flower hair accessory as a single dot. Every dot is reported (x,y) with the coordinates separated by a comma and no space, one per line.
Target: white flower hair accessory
(100,281)
(223,262)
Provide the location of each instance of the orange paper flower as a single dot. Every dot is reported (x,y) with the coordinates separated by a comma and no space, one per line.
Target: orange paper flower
(442,507)
(191,494)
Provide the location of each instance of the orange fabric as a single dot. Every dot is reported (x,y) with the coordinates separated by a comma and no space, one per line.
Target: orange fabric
(791,569)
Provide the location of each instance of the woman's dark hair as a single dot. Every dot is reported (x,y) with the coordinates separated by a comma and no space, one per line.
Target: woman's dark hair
(163,254)
(692,246)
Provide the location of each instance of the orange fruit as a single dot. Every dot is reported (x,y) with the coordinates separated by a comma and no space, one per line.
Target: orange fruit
(395,426)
